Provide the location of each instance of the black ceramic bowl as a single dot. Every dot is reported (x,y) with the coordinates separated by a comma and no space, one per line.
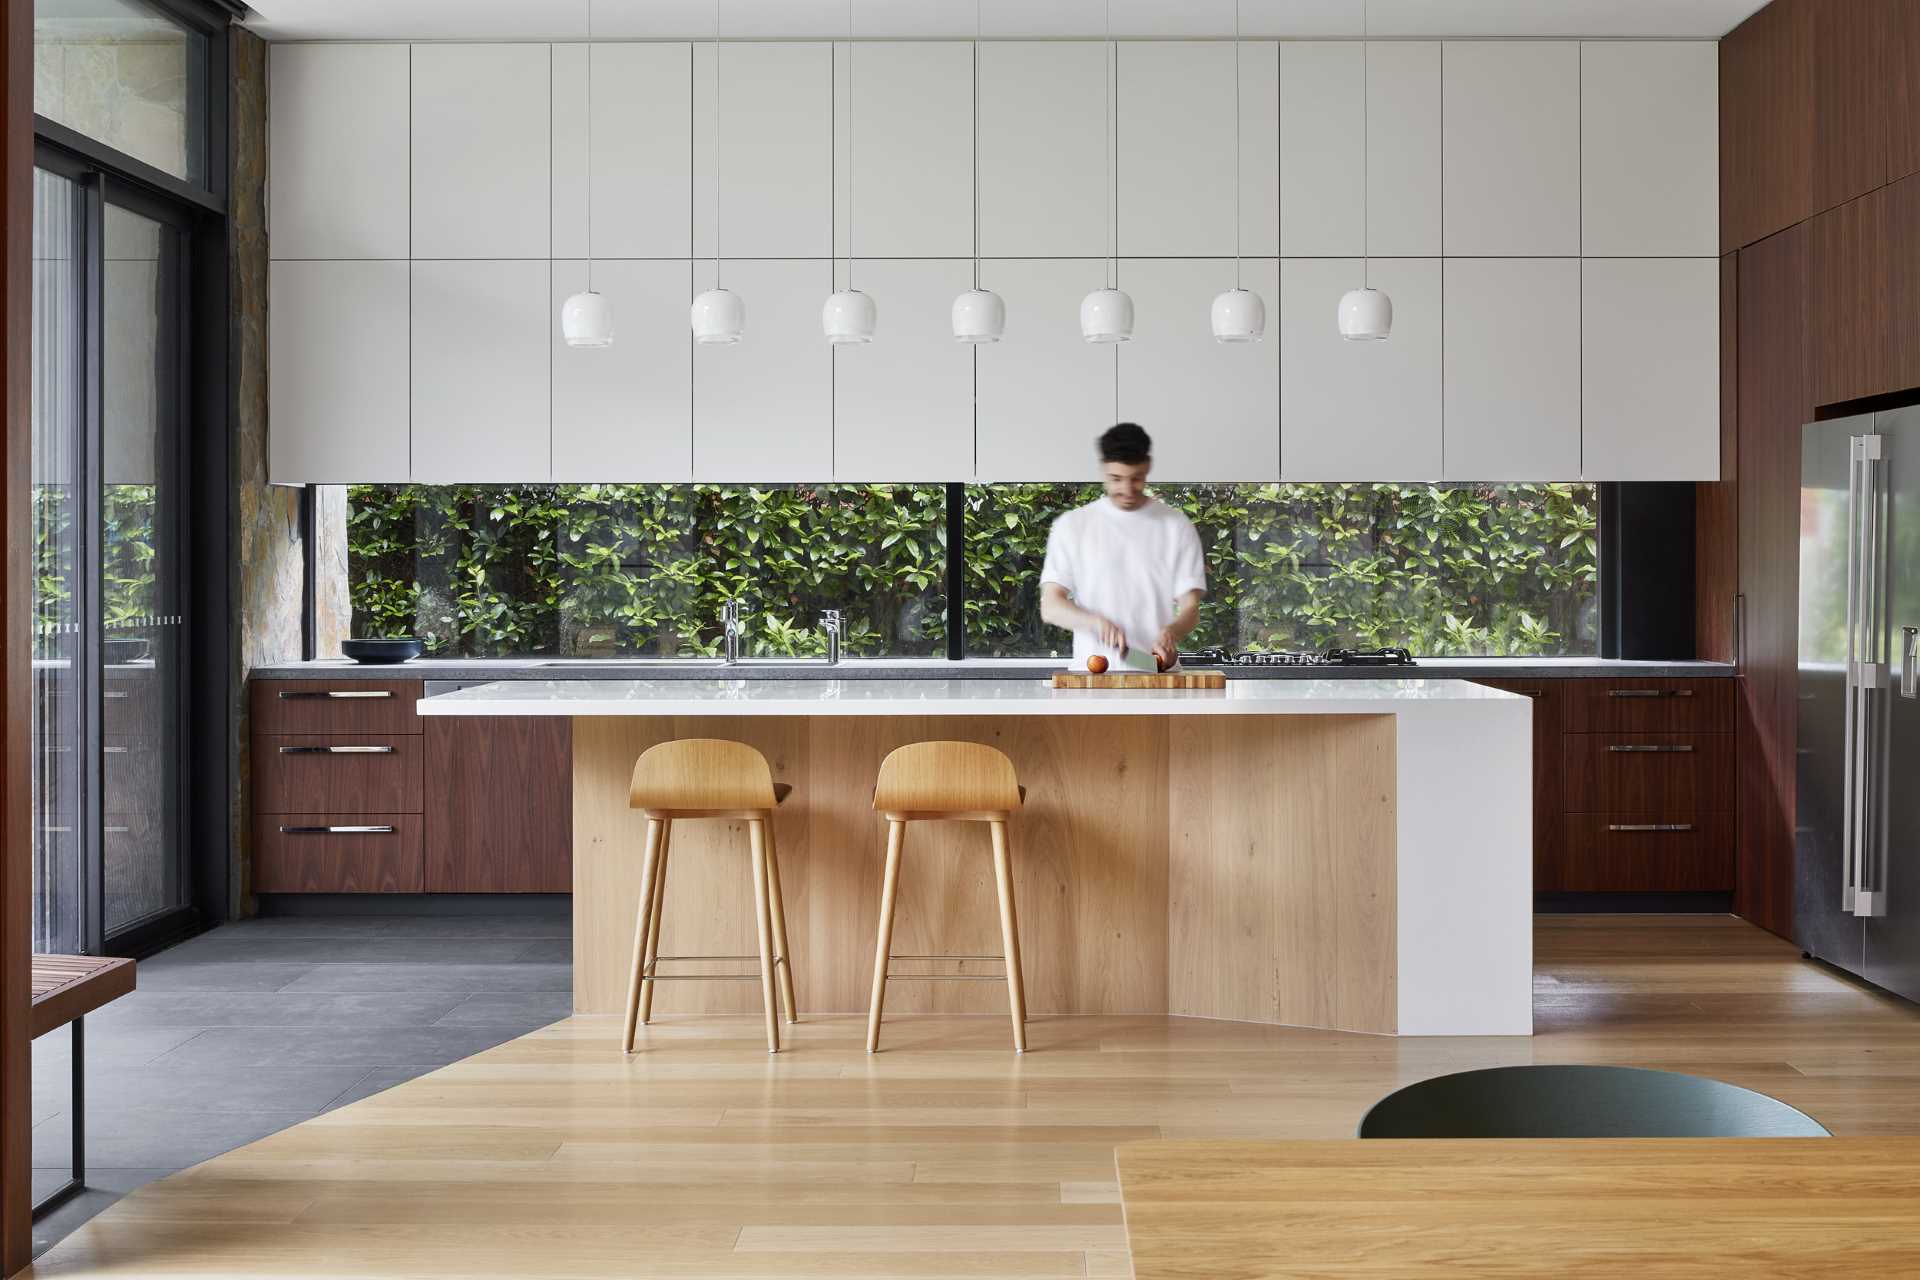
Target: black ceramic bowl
(378,652)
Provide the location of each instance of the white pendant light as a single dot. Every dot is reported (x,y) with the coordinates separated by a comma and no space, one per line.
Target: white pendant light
(718,317)
(979,315)
(849,316)
(1366,314)
(1106,315)
(586,319)
(1238,315)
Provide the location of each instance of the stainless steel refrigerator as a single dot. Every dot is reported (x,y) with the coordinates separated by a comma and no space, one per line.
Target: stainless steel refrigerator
(1857,765)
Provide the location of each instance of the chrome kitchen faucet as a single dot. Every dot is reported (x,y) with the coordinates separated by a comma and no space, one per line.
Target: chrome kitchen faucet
(830,623)
(730,621)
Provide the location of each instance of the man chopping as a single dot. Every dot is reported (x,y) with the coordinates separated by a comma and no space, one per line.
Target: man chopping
(1124,573)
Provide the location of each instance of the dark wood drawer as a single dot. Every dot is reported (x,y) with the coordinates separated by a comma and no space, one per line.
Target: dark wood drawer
(1650,706)
(1649,853)
(337,773)
(307,853)
(500,818)
(1648,772)
(335,706)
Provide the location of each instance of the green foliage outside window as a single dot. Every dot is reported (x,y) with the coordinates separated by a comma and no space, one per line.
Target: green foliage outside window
(626,570)
(128,575)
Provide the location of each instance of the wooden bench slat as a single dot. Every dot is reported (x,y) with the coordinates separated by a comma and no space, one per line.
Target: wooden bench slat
(69,987)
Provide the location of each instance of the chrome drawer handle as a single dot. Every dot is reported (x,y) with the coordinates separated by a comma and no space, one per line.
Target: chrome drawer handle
(1644,826)
(336,751)
(336,831)
(1648,693)
(304,694)
(1635,748)
(118,694)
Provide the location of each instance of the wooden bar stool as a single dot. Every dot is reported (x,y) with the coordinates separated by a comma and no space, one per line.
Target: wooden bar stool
(952,782)
(708,778)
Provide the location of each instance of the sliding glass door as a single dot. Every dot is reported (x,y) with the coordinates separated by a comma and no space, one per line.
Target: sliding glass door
(59,427)
(110,730)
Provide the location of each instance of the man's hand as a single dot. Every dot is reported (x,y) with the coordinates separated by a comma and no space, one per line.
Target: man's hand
(1110,633)
(1166,650)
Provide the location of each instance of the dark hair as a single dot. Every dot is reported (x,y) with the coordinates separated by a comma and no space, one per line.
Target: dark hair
(1125,442)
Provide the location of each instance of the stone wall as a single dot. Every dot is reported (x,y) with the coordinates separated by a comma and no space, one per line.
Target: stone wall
(268,564)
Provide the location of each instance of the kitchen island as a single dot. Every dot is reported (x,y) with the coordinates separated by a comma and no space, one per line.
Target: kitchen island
(1353,855)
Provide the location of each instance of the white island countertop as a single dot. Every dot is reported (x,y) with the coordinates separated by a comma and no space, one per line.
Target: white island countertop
(946,697)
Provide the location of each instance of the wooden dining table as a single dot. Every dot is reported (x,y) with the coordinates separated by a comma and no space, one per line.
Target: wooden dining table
(1588,1207)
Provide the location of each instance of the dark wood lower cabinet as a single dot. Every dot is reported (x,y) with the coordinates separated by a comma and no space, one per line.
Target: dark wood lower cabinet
(499,804)
(1633,784)
(1649,853)
(336,853)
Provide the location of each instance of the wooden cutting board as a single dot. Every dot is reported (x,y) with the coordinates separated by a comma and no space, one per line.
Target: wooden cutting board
(1140,680)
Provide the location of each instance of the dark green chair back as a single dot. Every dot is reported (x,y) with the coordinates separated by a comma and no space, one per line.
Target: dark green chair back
(1582,1102)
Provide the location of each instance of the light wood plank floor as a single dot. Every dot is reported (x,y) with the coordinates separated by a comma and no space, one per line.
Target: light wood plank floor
(945,1155)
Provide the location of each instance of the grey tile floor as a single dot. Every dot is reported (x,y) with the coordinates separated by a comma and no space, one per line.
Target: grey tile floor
(261,1024)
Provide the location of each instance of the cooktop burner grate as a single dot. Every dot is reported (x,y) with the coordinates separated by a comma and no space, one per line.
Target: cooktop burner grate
(1390,657)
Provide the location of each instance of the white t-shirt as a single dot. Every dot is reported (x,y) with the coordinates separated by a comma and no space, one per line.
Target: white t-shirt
(1130,566)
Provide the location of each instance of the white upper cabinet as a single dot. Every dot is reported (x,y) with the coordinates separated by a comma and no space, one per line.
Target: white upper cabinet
(906,112)
(1404,148)
(1329,146)
(1359,410)
(337,345)
(903,404)
(1322,170)
(1044,393)
(1650,337)
(1649,148)
(482,351)
(482,151)
(1511,371)
(1176,149)
(1044,180)
(1213,408)
(770,140)
(642,126)
(1511,123)
(763,407)
(624,414)
(337,126)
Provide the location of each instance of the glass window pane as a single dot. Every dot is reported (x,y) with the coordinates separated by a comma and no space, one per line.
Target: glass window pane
(123,73)
(588,571)
(59,372)
(140,570)
(1445,570)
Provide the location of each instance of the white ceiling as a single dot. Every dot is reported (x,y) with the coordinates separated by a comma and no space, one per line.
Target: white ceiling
(679,19)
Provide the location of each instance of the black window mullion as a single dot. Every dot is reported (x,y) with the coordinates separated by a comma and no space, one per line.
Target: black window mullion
(956,572)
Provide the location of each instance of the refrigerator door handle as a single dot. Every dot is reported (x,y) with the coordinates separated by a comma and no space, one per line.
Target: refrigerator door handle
(1870,720)
(1910,662)
(1849,739)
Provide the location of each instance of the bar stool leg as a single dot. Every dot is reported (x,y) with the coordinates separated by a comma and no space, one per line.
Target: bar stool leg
(757,837)
(653,917)
(642,922)
(1010,937)
(782,954)
(883,946)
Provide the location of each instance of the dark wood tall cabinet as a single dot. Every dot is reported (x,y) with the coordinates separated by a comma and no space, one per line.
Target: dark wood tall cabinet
(1820,213)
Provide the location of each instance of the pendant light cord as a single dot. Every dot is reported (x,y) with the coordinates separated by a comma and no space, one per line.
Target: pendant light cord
(716,144)
(976,145)
(1236,144)
(850,146)
(589,146)
(1366,150)
(1113,180)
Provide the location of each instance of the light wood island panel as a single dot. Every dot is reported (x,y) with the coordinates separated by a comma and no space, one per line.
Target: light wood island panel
(1163,865)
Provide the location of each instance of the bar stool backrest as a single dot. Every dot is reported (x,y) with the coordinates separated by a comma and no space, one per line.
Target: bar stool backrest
(946,778)
(701,774)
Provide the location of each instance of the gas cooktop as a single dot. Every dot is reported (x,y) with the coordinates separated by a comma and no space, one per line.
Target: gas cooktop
(1298,658)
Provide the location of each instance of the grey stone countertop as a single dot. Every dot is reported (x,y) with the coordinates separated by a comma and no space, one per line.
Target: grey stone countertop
(482,669)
